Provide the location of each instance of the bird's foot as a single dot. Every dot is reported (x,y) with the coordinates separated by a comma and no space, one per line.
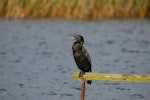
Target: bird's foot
(81,74)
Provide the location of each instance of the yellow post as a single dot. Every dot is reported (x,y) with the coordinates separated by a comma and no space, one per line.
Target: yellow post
(112,77)
(108,77)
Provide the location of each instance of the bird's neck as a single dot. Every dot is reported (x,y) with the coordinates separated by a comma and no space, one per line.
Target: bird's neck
(80,42)
(77,45)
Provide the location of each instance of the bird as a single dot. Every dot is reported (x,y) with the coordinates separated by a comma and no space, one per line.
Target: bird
(81,56)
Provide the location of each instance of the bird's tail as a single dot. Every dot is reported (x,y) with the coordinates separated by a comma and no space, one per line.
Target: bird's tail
(89,81)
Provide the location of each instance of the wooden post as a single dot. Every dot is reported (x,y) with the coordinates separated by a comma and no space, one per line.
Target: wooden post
(82,95)
(108,77)
(112,77)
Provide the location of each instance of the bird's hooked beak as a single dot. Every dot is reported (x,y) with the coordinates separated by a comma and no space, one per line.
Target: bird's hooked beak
(72,37)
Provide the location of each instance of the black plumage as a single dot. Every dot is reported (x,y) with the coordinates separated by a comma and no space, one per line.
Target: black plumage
(81,56)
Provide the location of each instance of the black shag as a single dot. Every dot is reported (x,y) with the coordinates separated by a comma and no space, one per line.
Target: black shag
(81,56)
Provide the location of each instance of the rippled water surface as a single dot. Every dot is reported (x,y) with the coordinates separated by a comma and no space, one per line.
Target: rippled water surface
(36,59)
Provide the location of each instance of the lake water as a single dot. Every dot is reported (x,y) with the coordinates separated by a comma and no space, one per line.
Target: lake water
(36,58)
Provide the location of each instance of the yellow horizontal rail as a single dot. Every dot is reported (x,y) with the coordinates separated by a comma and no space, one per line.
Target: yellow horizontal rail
(112,77)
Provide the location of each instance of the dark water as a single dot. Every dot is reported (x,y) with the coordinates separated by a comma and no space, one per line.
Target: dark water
(36,59)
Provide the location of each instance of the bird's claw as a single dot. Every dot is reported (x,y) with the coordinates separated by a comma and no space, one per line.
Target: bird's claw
(81,74)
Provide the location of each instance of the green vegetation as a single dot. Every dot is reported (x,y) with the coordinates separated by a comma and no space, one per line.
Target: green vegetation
(75,9)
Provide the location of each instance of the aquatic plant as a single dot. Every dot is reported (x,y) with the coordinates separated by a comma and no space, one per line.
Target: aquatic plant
(75,9)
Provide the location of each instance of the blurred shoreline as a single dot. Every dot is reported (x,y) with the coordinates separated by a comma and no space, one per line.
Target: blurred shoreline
(75,9)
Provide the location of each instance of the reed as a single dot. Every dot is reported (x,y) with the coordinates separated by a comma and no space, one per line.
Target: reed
(75,9)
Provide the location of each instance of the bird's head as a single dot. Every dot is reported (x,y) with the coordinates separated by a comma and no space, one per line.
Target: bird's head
(78,38)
